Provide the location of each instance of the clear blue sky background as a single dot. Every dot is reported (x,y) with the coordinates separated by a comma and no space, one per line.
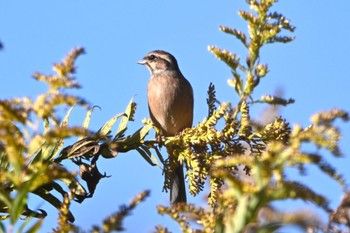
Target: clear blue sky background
(116,34)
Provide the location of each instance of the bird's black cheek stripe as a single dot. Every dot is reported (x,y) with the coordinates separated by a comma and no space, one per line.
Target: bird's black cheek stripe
(149,67)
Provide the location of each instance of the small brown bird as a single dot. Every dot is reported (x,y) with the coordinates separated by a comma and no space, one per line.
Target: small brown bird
(170,103)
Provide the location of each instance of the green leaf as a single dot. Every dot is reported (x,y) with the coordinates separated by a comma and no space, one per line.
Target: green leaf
(2,227)
(46,124)
(4,199)
(65,120)
(24,224)
(73,183)
(60,142)
(134,140)
(129,112)
(106,128)
(152,157)
(54,201)
(88,118)
(144,131)
(83,147)
(146,156)
(48,151)
(159,155)
(238,83)
(36,147)
(20,201)
(36,227)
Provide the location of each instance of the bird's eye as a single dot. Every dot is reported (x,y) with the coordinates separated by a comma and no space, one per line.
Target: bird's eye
(151,57)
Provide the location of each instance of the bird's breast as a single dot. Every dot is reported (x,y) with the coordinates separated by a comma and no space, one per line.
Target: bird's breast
(170,101)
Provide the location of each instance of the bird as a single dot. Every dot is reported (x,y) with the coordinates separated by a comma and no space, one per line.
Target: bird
(170,104)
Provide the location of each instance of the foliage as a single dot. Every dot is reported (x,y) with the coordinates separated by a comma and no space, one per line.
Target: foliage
(246,165)
(244,161)
(110,223)
(31,159)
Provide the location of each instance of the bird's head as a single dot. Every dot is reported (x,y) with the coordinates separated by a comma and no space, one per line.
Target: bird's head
(158,61)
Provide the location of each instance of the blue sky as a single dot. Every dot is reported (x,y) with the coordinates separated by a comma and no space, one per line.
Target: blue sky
(116,34)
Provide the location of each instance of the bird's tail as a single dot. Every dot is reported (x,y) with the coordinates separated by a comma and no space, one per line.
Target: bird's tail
(177,182)
(177,188)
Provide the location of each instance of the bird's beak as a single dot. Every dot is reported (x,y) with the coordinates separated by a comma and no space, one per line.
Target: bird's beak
(141,62)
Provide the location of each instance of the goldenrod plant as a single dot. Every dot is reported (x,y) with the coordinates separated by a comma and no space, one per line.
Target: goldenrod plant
(240,163)
(263,151)
(30,158)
